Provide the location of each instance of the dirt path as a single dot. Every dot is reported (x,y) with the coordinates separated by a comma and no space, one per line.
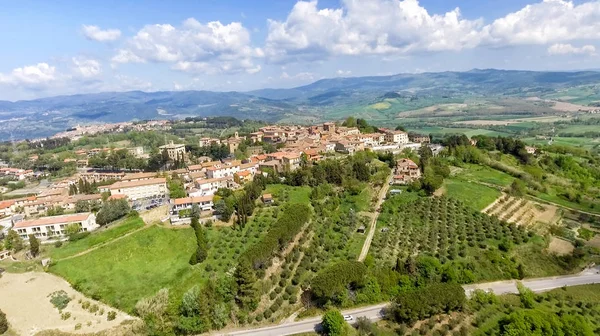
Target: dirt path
(25,301)
(367,244)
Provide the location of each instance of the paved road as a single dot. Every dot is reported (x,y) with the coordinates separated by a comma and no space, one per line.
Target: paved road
(382,192)
(374,313)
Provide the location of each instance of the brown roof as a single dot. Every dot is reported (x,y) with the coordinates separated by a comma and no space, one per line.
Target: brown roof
(267,196)
(131,184)
(136,176)
(53,220)
(186,200)
(195,167)
(204,181)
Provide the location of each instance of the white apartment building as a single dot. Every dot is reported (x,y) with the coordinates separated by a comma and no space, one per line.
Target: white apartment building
(140,189)
(205,203)
(223,170)
(55,226)
(207,187)
(397,137)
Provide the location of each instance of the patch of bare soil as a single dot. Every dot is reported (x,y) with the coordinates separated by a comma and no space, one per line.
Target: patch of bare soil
(155,215)
(25,301)
(560,247)
(594,242)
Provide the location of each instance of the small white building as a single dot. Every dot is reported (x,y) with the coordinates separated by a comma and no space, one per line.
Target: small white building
(207,187)
(223,170)
(55,226)
(205,203)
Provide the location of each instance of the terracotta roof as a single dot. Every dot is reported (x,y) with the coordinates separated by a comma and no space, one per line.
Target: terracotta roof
(195,167)
(136,176)
(6,204)
(267,196)
(53,220)
(131,184)
(406,162)
(205,181)
(243,173)
(198,199)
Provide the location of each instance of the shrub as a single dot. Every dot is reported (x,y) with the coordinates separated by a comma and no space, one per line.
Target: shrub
(428,301)
(111,315)
(58,244)
(65,316)
(78,326)
(273,295)
(59,299)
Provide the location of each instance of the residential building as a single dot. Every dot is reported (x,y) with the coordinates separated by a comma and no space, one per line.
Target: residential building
(55,226)
(207,142)
(5,254)
(100,176)
(418,138)
(174,151)
(223,169)
(329,127)
(530,149)
(138,152)
(207,187)
(141,189)
(205,203)
(406,171)
(397,137)
(267,198)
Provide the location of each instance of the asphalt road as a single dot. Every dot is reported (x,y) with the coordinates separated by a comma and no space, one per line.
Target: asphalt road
(374,313)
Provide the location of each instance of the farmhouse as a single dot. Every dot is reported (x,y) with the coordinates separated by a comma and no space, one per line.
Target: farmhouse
(406,171)
(55,226)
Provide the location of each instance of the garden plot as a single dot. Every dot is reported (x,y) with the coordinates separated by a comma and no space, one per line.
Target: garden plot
(521,211)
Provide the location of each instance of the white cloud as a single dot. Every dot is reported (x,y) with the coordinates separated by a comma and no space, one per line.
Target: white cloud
(549,21)
(96,34)
(367,27)
(301,76)
(194,47)
(566,49)
(393,28)
(86,68)
(343,73)
(32,76)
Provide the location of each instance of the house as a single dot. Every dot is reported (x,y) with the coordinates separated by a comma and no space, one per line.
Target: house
(138,152)
(223,169)
(100,176)
(174,151)
(207,142)
(55,226)
(273,165)
(397,137)
(256,137)
(267,199)
(205,203)
(242,177)
(418,138)
(329,127)
(208,187)
(6,208)
(141,189)
(530,149)
(138,176)
(361,229)
(406,171)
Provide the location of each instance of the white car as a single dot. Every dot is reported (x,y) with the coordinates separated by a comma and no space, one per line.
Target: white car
(348,318)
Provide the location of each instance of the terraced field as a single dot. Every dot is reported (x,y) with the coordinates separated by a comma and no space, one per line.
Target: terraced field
(521,211)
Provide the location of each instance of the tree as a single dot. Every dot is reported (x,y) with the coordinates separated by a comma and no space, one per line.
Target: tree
(333,323)
(247,295)
(195,211)
(72,229)
(224,210)
(13,241)
(400,128)
(34,245)
(3,323)
(112,210)
(202,242)
(425,154)
(518,188)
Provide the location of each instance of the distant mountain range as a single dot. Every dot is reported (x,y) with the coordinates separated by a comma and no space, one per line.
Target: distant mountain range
(44,117)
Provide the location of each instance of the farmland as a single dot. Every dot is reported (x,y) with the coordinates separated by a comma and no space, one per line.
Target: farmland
(474,195)
(157,257)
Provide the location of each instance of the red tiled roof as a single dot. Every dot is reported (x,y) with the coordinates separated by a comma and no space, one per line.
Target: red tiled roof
(198,199)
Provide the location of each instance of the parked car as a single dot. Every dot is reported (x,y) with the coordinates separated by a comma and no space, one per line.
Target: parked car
(348,318)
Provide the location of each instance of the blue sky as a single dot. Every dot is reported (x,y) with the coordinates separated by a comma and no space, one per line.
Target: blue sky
(70,47)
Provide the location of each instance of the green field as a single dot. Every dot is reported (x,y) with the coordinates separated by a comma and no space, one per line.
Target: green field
(580,129)
(473,195)
(138,265)
(566,141)
(96,238)
(282,192)
(485,174)
(451,130)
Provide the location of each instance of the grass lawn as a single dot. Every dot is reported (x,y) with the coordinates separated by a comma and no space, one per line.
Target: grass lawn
(474,195)
(285,193)
(139,265)
(537,263)
(486,174)
(96,238)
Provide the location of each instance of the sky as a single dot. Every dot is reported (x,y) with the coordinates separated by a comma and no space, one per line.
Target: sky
(72,46)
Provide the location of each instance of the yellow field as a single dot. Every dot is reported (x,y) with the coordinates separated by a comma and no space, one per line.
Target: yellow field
(381,106)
